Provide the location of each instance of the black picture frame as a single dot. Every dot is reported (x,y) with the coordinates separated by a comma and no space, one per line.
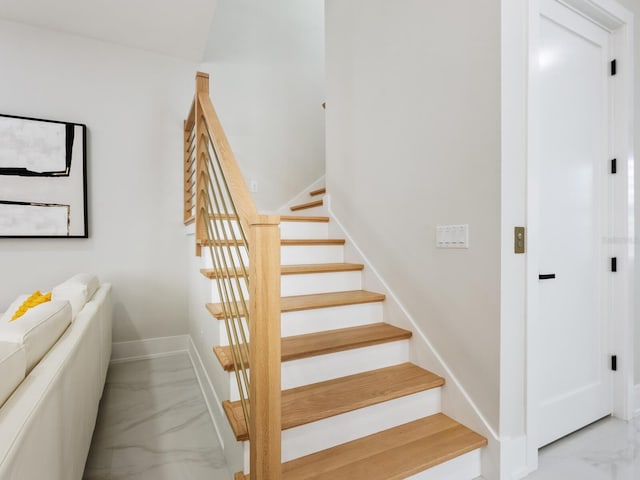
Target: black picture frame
(43,178)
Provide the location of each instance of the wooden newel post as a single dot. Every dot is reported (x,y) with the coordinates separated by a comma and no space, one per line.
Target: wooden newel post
(264,348)
(202,86)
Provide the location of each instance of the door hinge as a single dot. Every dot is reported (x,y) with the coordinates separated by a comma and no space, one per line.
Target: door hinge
(614,166)
(614,264)
(614,362)
(614,67)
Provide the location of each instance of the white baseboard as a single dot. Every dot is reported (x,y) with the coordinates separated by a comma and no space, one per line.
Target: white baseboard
(636,401)
(148,348)
(211,399)
(513,457)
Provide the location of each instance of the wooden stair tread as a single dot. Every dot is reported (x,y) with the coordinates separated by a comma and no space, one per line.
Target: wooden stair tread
(319,191)
(298,269)
(303,218)
(320,268)
(284,242)
(317,300)
(304,206)
(283,218)
(329,341)
(317,401)
(392,454)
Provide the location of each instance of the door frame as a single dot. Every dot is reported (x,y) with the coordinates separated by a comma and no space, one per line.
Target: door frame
(619,21)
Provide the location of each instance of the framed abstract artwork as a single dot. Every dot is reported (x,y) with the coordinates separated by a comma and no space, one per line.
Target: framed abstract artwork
(43,178)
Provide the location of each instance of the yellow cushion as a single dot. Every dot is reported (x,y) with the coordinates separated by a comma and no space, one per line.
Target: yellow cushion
(36,298)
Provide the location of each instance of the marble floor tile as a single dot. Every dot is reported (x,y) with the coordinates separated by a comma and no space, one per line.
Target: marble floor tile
(606,450)
(153,424)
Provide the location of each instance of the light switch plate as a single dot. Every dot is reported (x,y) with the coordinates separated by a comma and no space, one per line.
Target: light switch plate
(452,236)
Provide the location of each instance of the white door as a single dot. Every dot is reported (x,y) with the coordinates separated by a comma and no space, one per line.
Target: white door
(574,380)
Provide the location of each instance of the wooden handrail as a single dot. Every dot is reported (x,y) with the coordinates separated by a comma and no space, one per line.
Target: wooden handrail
(240,194)
(218,176)
(202,86)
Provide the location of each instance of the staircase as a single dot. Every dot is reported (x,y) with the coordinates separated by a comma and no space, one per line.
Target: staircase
(321,387)
(353,406)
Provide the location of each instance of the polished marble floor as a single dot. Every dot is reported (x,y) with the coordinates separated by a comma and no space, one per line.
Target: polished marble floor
(606,450)
(153,424)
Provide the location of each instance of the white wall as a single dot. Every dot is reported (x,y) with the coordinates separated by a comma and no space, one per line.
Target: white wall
(133,104)
(413,141)
(266,61)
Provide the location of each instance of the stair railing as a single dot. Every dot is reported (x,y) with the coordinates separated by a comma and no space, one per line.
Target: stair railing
(244,250)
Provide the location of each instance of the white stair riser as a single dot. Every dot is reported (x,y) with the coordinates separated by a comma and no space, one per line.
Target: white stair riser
(289,254)
(304,230)
(228,255)
(228,289)
(315,211)
(322,319)
(320,283)
(331,318)
(297,254)
(226,229)
(464,467)
(320,368)
(329,432)
(287,229)
(304,284)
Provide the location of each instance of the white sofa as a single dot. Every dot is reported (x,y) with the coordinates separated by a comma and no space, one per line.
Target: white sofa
(47,423)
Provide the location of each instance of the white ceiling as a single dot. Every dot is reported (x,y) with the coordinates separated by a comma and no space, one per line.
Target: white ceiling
(179,28)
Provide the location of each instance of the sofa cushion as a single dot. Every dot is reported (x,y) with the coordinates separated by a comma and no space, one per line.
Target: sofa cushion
(13,308)
(35,299)
(74,295)
(38,329)
(78,290)
(13,368)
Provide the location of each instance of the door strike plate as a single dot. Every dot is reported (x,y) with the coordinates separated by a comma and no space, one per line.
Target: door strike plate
(519,240)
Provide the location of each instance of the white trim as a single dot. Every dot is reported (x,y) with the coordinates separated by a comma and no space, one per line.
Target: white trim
(624,213)
(606,13)
(148,348)
(208,392)
(636,400)
(512,452)
(302,196)
(441,368)
(619,21)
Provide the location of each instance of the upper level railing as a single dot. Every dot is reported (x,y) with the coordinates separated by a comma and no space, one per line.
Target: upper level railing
(244,252)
